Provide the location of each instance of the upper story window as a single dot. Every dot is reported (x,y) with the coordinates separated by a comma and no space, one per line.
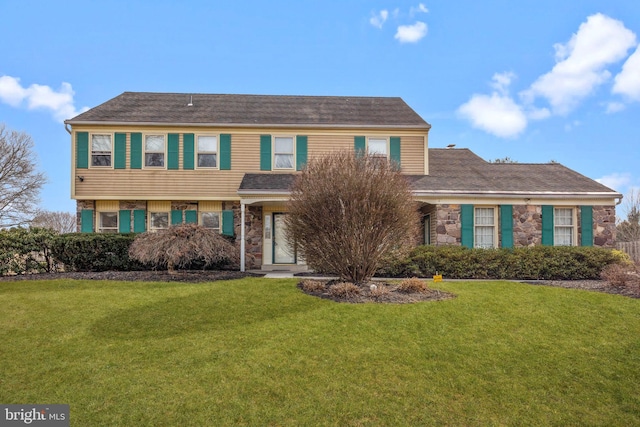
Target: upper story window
(154,151)
(484,227)
(563,227)
(207,151)
(283,152)
(101,150)
(377,147)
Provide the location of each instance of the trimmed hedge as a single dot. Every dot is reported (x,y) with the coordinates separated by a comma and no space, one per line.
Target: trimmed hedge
(95,252)
(27,250)
(537,263)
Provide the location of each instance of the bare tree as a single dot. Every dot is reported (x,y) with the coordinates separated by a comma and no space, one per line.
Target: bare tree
(62,222)
(20,181)
(347,212)
(629,229)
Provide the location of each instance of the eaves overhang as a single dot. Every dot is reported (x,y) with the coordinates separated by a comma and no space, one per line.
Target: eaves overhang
(519,194)
(426,126)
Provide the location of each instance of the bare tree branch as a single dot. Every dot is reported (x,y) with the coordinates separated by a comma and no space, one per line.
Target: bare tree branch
(20,181)
(62,222)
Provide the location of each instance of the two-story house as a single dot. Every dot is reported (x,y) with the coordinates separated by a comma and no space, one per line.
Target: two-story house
(145,161)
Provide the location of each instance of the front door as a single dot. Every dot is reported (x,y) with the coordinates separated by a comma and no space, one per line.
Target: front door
(283,253)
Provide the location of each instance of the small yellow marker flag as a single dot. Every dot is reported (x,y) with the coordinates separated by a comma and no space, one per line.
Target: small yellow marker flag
(437,278)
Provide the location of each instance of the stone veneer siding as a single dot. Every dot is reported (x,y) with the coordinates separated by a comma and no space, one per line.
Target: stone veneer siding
(527,225)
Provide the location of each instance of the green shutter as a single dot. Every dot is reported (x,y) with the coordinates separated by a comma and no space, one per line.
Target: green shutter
(506,225)
(301,152)
(176,217)
(359,145)
(466,221)
(120,148)
(191,217)
(136,151)
(227,223)
(586,225)
(86,221)
(265,152)
(187,151)
(124,221)
(173,144)
(82,150)
(547,225)
(225,152)
(139,221)
(394,150)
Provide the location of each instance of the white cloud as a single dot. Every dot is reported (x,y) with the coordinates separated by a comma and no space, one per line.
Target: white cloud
(411,33)
(616,181)
(581,62)
(421,8)
(614,107)
(570,126)
(498,113)
(627,83)
(379,19)
(59,103)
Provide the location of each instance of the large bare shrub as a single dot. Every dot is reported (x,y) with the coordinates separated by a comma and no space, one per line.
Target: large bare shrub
(348,211)
(182,246)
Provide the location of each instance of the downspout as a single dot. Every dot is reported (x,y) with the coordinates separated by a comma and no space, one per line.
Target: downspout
(67,129)
(619,200)
(242,244)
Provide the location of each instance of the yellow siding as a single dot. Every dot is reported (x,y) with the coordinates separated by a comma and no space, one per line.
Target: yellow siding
(208,184)
(158,206)
(209,206)
(107,205)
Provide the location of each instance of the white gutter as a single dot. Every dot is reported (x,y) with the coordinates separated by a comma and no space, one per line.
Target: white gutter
(246,125)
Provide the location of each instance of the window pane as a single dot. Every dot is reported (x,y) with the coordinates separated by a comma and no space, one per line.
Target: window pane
(211,220)
(484,216)
(207,160)
(208,143)
(284,145)
(101,160)
(284,161)
(563,236)
(101,142)
(484,237)
(159,220)
(378,146)
(154,159)
(108,219)
(563,216)
(154,143)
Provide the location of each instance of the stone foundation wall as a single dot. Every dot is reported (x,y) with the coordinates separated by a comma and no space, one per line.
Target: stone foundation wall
(252,232)
(448,226)
(527,225)
(604,226)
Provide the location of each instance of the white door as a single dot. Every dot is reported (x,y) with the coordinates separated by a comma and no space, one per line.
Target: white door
(283,253)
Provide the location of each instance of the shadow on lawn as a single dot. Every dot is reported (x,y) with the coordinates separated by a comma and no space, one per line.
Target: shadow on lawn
(191,314)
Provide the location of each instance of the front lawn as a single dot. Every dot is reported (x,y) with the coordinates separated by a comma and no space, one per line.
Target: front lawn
(260,352)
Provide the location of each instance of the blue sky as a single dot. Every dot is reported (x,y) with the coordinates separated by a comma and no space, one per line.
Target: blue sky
(532,80)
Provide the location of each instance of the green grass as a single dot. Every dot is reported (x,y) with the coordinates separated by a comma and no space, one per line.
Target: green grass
(259,352)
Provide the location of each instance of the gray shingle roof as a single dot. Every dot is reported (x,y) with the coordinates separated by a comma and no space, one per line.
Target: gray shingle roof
(253,110)
(460,171)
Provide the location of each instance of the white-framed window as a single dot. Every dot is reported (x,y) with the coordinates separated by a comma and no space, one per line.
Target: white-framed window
(154,151)
(107,222)
(563,227)
(377,146)
(484,227)
(158,220)
(283,152)
(211,220)
(207,151)
(101,150)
